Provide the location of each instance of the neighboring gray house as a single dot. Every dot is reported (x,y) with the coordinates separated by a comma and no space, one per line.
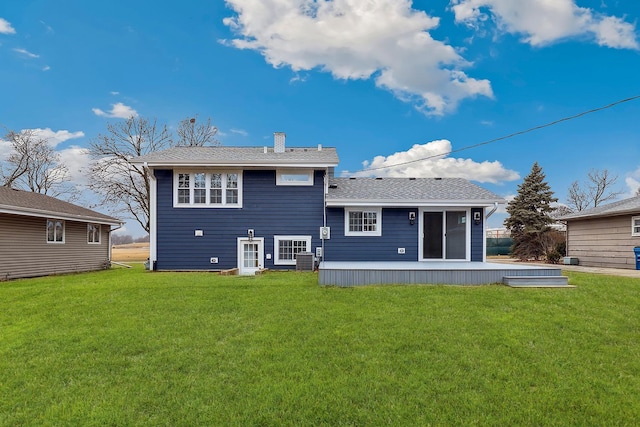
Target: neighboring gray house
(41,235)
(605,235)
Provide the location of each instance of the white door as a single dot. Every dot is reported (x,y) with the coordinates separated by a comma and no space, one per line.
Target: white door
(250,255)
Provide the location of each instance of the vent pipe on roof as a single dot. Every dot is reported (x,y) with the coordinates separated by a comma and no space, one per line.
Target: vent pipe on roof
(278,142)
(265,149)
(319,147)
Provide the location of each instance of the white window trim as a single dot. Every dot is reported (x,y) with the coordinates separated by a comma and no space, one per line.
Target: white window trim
(376,210)
(633,226)
(99,227)
(276,251)
(308,173)
(54,242)
(207,203)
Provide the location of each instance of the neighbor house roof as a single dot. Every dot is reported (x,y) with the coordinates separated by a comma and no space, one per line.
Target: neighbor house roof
(240,156)
(18,202)
(408,192)
(621,207)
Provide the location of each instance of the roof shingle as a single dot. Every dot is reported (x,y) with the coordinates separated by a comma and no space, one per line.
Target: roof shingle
(36,204)
(621,207)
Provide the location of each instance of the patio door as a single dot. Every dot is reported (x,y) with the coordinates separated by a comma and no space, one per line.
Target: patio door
(250,255)
(444,235)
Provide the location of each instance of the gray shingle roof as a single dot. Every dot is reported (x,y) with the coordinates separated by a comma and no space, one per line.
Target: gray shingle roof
(343,191)
(621,207)
(203,156)
(41,205)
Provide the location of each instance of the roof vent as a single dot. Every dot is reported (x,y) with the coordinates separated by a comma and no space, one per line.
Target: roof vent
(319,147)
(438,179)
(412,179)
(352,177)
(333,185)
(265,150)
(379,178)
(278,142)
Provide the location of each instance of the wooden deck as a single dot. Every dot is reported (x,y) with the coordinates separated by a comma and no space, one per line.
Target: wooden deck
(332,273)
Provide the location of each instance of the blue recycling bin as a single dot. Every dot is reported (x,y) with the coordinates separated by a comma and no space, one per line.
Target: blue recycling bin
(636,250)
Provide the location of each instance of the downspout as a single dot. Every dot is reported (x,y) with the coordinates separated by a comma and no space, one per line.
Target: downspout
(492,211)
(111,230)
(324,208)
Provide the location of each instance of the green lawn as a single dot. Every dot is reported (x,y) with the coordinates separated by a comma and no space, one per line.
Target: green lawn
(131,347)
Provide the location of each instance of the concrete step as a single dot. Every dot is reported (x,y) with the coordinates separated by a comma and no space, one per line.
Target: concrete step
(537,281)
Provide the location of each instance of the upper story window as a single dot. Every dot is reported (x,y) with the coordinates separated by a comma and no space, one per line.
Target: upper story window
(208,189)
(363,221)
(635,226)
(93,233)
(294,177)
(55,231)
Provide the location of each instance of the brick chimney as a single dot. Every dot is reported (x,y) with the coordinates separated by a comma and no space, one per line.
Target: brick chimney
(278,142)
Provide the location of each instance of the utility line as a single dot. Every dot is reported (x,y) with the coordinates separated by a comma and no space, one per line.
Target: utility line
(511,135)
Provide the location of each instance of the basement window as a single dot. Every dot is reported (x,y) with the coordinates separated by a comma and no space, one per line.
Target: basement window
(287,247)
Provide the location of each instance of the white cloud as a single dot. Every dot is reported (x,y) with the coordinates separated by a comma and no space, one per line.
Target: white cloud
(56,137)
(633,182)
(5,27)
(543,22)
(75,158)
(384,40)
(46,68)
(118,110)
(431,160)
(25,52)
(239,132)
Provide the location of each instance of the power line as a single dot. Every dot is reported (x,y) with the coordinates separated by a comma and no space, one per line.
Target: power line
(511,135)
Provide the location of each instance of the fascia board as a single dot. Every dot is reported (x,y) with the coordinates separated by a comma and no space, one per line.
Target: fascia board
(57,215)
(412,203)
(185,165)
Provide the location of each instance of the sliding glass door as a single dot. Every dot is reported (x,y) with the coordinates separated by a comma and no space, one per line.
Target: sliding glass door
(444,235)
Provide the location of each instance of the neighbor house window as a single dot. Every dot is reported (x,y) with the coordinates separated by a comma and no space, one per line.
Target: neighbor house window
(287,247)
(55,231)
(294,177)
(208,189)
(635,226)
(363,222)
(93,233)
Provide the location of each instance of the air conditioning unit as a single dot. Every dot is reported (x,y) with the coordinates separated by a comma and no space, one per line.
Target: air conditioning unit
(305,261)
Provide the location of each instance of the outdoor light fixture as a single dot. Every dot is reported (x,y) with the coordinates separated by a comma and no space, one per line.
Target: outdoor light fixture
(250,234)
(476,218)
(412,218)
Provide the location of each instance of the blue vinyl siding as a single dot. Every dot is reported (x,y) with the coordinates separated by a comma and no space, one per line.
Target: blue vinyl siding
(396,233)
(477,237)
(267,209)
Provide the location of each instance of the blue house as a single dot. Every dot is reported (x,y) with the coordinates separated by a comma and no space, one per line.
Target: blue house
(254,208)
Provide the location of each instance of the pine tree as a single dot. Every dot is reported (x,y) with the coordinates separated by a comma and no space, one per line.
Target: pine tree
(529,216)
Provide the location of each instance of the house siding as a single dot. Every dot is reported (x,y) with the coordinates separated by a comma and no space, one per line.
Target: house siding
(24,250)
(397,232)
(602,242)
(266,208)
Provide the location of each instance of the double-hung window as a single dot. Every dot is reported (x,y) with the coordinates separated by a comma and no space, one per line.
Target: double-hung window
(635,226)
(363,221)
(287,247)
(55,231)
(208,189)
(93,233)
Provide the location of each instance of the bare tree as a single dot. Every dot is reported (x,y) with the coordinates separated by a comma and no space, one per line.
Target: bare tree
(34,165)
(597,190)
(123,186)
(191,133)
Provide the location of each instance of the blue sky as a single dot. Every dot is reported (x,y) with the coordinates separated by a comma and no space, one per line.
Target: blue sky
(383,81)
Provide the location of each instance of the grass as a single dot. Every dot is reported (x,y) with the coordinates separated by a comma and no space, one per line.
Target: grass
(131,347)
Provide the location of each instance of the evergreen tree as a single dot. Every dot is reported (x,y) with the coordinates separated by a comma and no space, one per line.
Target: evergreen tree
(529,216)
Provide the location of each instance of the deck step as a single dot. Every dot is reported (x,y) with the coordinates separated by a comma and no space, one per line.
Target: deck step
(537,281)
